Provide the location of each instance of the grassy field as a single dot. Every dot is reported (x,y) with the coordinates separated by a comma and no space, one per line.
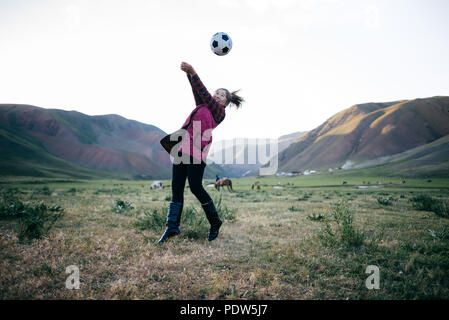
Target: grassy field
(309,237)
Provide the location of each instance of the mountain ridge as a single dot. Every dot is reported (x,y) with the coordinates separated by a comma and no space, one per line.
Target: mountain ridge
(368,131)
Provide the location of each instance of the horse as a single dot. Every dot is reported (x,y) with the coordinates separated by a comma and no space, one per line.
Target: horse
(224,182)
(255,184)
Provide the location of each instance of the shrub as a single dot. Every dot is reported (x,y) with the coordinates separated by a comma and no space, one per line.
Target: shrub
(441,208)
(385,201)
(122,206)
(293,209)
(154,220)
(305,197)
(425,202)
(223,211)
(44,190)
(36,222)
(10,205)
(315,217)
(194,224)
(339,227)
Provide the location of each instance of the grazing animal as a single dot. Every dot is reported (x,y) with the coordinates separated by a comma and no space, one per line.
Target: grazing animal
(255,184)
(224,182)
(156,185)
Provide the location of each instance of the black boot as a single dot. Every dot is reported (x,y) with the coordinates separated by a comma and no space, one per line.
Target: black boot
(173,220)
(214,219)
(178,221)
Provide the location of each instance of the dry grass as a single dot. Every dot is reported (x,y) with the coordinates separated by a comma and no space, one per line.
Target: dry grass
(269,251)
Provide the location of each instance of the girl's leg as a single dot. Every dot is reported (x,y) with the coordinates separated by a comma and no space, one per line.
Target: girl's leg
(176,205)
(195,174)
(179,175)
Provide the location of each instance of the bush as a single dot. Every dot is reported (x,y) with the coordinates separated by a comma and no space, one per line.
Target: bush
(425,202)
(71,190)
(44,190)
(315,217)
(223,211)
(385,201)
(441,208)
(154,220)
(339,228)
(194,224)
(305,197)
(10,205)
(122,206)
(36,222)
(293,209)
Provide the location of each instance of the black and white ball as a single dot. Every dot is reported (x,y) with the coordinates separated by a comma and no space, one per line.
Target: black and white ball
(221,43)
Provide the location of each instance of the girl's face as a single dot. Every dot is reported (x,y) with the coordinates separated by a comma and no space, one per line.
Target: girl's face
(220,97)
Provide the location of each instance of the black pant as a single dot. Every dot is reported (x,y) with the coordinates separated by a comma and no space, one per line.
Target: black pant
(194,172)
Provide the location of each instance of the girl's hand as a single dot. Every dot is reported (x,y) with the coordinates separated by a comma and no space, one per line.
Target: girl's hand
(187,68)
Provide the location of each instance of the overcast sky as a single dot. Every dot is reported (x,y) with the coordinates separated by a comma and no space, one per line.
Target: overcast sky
(297,62)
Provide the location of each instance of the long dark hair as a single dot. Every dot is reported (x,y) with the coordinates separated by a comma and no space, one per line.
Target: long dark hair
(233,98)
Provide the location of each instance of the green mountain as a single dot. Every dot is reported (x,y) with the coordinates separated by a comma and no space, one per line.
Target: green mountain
(23,156)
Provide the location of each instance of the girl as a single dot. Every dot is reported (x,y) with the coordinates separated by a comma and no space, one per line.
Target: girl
(210,112)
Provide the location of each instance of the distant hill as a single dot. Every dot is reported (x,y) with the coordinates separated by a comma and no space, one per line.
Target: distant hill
(368,131)
(407,137)
(429,160)
(240,150)
(21,155)
(110,143)
(36,141)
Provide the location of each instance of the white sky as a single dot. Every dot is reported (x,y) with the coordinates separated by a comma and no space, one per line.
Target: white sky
(297,62)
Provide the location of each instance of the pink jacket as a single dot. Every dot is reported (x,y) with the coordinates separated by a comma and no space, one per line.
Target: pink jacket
(201,121)
(208,116)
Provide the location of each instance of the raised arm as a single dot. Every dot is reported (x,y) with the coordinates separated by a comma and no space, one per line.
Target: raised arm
(216,109)
(197,97)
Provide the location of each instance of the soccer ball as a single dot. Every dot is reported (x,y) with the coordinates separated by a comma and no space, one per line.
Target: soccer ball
(221,43)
